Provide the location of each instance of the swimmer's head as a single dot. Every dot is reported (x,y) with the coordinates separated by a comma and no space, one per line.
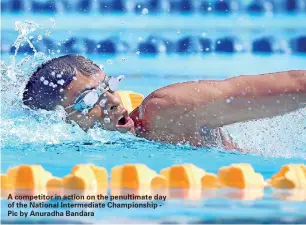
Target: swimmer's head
(82,88)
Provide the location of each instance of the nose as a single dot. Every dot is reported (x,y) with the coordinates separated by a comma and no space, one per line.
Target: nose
(113,101)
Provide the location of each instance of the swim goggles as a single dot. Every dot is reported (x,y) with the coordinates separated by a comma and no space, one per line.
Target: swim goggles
(88,99)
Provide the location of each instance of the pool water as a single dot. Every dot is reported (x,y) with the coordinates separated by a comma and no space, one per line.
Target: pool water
(43,138)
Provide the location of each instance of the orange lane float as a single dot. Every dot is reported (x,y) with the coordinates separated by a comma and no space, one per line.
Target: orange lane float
(240,176)
(291,176)
(183,176)
(210,180)
(136,176)
(28,177)
(5,183)
(88,177)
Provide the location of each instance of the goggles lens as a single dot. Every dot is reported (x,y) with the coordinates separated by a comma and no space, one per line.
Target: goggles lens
(88,99)
(113,83)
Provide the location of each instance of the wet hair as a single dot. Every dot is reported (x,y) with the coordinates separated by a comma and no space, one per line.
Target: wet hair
(44,89)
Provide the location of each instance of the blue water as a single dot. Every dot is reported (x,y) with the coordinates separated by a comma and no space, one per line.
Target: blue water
(43,138)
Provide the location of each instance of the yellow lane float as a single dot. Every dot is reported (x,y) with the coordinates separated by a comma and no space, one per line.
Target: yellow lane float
(136,176)
(86,176)
(183,176)
(186,177)
(5,183)
(210,180)
(240,176)
(28,177)
(291,176)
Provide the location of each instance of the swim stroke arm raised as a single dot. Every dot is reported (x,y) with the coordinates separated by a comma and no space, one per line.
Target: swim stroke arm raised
(238,99)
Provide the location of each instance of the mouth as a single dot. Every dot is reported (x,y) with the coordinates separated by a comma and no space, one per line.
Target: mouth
(125,122)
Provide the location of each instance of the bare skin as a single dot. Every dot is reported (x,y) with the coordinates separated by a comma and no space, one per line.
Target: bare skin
(192,112)
(114,107)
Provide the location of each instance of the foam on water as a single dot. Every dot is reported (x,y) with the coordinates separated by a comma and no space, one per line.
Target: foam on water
(283,136)
(20,125)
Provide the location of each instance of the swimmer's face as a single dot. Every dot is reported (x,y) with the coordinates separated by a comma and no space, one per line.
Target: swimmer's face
(111,116)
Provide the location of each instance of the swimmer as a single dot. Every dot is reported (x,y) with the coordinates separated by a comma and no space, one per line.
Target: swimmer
(190,112)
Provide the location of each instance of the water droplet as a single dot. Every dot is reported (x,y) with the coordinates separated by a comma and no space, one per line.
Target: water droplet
(109,61)
(39,37)
(145,11)
(48,33)
(42,79)
(123,59)
(138,52)
(209,9)
(46,82)
(103,102)
(52,22)
(17,25)
(61,82)
(107,120)
(178,31)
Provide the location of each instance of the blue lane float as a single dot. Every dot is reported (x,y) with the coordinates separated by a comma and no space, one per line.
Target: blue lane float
(44,6)
(291,5)
(222,6)
(16,5)
(161,45)
(189,44)
(83,5)
(255,7)
(262,45)
(184,6)
(154,45)
(225,44)
(112,6)
(112,45)
(298,44)
(153,6)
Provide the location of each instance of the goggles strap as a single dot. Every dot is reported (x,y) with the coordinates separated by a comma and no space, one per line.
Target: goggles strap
(74,111)
(69,106)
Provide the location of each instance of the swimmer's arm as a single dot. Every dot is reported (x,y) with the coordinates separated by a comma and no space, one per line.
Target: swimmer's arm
(243,98)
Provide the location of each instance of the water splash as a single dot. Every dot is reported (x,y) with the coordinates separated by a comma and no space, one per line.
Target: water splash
(20,125)
(281,136)
(14,74)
